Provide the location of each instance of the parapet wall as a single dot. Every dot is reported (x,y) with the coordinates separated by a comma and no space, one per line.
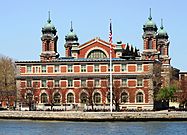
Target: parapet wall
(94,116)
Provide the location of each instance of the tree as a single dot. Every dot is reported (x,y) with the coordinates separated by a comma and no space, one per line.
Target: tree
(182,94)
(90,90)
(116,94)
(7,80)
(50,93)
(166,93)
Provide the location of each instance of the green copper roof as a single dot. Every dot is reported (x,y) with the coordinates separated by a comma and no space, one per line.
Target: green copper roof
(49,26)
(161,31)
(150,22)
(71,35)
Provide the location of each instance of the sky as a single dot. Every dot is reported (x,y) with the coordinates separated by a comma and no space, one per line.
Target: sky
(21,22)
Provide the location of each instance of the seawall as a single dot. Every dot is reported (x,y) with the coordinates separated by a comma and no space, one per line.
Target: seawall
(95,116)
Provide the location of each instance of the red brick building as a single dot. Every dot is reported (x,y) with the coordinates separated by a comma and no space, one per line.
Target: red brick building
(182,94)
(81,78)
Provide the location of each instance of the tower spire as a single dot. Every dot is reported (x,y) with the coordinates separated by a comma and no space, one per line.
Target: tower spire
(161,27)
(150,18)
(71,29)
(49,19)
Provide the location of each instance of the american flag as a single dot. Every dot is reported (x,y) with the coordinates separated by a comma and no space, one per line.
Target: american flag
(110,33)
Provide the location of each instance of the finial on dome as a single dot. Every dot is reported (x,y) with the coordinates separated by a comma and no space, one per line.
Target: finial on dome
(49,19)
(150,18)
(161,27)
(71,29)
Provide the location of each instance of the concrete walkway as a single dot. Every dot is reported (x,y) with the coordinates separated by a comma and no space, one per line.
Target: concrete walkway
(95,116)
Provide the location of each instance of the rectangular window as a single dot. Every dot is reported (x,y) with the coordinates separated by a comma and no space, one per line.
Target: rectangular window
(44,69)
(96,68)
(56,83)
(28,69)
(109,68)
(139,67)
(83,68)
(70,68)
(56,68)
(29,83)
(97,84)
(70,83)
(44,83)
(37,69)
(124,82)
(123,67)
(139,82)
(35,84)
(83,83)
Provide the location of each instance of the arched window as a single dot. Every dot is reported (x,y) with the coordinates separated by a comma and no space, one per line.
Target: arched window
(150,44)
(83,97)
(97,98)
(139,97)
(70,98)
(29,97)
(44,98)
(124,97)
(47,45)
(162,50)
(56,98)
(96,54)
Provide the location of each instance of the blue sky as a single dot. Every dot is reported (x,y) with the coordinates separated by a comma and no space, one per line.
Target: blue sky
(21,22)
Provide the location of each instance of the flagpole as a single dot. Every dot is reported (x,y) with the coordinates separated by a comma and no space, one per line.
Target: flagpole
(110,41)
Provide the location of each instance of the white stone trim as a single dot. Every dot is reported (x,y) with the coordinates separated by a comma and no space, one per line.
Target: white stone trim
(135,106)
(96,40)
(139,90)
(70,91)
(137,82)
(41,92)
(127,94)
(126,71)
(97,91)
(57,91)
(82,91)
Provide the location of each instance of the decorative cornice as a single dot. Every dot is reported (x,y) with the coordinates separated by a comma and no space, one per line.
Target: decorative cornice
(129,76)
(66,60)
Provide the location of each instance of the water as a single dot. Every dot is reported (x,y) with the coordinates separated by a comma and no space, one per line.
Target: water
(15,127)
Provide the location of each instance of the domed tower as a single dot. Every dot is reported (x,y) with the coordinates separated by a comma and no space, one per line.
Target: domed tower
(163,48)
(49,41)
(163,45)
(71,44)
(149,39)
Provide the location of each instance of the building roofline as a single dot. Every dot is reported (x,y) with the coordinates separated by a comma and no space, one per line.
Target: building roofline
(64,60)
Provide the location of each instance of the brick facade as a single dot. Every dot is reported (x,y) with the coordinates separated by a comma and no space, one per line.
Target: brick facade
(82,76)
